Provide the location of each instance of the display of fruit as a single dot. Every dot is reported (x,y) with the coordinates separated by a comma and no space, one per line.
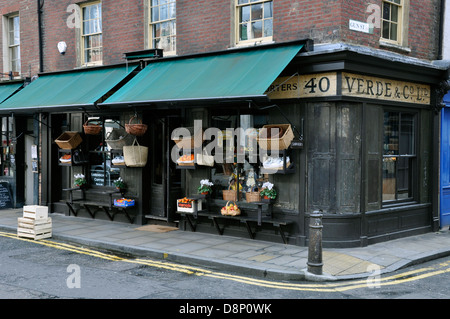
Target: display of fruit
(65,158)
(185,200)
(186,158)
(230,209)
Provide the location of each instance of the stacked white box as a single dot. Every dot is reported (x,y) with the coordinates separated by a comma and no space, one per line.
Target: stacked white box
(35,223)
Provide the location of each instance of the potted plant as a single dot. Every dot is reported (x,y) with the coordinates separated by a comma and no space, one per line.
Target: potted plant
(205,187)
(80,180)
(268,192)
(119,183)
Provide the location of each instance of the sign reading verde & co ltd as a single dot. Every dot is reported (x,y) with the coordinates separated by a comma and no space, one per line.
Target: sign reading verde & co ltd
(354,85)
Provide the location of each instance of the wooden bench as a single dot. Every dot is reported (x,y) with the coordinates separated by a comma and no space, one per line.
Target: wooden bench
(107,206)
(191,218)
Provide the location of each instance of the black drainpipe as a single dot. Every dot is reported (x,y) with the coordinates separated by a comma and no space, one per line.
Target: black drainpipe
(441,30)
(41,49)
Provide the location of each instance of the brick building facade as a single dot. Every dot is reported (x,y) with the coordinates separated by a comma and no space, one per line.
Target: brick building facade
(204,26)
(346,76)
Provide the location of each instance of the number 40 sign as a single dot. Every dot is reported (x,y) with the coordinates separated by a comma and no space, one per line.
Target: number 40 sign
(303,86)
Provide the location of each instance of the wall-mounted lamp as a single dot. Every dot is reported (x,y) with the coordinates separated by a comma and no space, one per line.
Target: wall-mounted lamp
(62,46)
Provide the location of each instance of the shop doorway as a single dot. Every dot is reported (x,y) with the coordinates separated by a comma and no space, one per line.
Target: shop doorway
(29,169)
(165,185)
(445,168)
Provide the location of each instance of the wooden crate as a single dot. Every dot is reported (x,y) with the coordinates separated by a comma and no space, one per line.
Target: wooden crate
(34,228)
(35,212)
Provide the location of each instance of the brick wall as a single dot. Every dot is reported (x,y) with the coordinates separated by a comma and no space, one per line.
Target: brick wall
(203,25)
(208,25)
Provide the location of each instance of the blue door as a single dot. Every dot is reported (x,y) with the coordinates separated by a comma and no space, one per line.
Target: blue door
(445,165)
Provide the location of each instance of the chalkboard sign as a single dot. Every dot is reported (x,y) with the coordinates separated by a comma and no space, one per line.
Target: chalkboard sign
(5,196)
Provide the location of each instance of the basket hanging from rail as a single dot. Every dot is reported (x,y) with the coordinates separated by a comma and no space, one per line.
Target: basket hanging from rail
(91,128)
(137,129)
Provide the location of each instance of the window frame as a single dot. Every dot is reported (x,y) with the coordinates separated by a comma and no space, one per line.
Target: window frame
(8,56)
(238,23)
(83,36)
(402,24)
(413,172)
(151,23)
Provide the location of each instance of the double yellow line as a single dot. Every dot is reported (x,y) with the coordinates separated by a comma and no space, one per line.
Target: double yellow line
(196,271)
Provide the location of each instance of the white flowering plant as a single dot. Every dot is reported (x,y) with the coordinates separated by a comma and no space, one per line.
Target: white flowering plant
(205,186)
(119,183)
(80,180)
(268,190)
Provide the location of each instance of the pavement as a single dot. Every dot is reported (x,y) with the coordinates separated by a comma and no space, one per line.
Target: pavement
(239,255)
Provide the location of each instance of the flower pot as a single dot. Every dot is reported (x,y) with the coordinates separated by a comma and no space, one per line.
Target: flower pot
(205,193)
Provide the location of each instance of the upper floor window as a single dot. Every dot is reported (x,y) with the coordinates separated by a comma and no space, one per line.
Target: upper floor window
(392,21)
(255,20)
(14,44)
(163,25)
(91,34)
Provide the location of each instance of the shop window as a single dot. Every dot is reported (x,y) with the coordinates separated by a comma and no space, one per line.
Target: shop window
(162,25)
(254,21)
(399,156)
(239,155)
(7,152)
(91,34)
(101,167)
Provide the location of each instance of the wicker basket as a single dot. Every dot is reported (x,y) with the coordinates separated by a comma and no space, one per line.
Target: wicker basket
(230,210)
(187,142)
(284,137)
(230,194)
(137,129)
(69,140)
(118,138)
(253,196)
(92,129)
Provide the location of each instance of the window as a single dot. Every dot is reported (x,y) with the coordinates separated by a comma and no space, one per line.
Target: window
(91,34)
(392,21)
(7,147)
(399,156)
(255,20)
(14,44)
(163,25)
(103,171)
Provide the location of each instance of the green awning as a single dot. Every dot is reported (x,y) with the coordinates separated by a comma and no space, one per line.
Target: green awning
(225,75)
(8,89)
(68,90)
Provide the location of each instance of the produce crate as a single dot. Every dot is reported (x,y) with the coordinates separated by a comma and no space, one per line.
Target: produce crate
(123,202)
(35,212)
(34,228)
(188,207)
(69,140)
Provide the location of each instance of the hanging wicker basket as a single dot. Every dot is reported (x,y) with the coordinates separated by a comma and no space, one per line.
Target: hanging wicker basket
(91,128)
(137,129)
(118,138)
(68,140)
(280,141)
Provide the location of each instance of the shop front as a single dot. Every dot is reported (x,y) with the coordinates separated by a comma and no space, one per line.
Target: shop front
(361,145)
(330,129)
